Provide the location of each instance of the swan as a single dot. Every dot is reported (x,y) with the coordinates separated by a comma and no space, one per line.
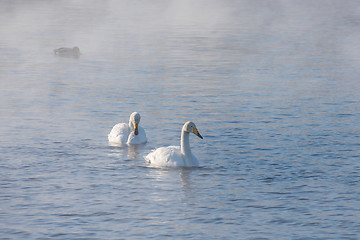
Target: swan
(131,133)
(175,156)
(68,52)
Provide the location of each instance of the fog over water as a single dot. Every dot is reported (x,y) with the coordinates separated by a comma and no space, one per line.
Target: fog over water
(273,87)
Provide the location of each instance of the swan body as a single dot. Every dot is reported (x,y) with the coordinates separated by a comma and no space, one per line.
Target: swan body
(131,133)
(175,156)
(68,52)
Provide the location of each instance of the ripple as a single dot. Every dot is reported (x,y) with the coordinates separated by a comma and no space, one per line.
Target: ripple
(279,158)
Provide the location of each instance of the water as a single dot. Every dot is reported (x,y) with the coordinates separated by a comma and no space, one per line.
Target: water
(272,86)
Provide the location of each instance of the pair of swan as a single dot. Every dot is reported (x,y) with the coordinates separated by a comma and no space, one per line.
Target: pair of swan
(171,156)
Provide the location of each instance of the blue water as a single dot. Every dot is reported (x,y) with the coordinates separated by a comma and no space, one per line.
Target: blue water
(273,87)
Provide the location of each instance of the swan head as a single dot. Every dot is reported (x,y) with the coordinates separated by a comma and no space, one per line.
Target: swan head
(134,122)
(191,128)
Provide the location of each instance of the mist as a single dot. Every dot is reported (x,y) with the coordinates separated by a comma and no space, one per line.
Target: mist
(112,26)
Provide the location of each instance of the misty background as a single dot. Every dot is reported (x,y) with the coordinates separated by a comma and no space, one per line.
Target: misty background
(273,87)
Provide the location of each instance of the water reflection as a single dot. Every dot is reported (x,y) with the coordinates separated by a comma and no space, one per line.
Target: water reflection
(170,180)
(185,178)
(131,151)
(135,150)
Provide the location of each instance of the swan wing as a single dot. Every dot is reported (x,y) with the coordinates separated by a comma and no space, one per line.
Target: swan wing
(119,133)
(166,157)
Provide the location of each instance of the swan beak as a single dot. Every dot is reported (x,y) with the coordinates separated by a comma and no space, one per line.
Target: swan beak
(136,128)
(196,132)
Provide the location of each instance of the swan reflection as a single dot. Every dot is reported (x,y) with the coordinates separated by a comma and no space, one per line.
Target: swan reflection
(125,150)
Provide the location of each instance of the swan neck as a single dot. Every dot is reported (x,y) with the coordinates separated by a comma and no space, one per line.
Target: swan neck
(185,144)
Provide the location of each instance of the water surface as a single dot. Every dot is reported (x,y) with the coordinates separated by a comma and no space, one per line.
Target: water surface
(272,86)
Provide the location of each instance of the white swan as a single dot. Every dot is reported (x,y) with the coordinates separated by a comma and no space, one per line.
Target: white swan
(174,156)
(131,133)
